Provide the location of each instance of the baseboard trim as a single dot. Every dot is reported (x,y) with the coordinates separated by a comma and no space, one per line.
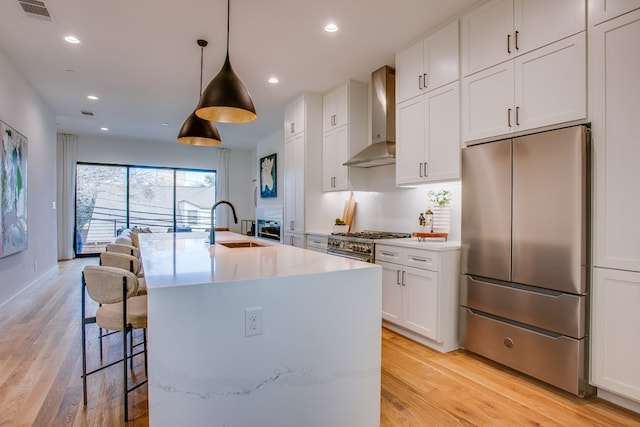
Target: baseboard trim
(47,275)
(616,399)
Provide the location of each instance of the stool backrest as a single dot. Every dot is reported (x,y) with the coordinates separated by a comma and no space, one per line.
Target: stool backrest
(115,259)
(105,284)
(123,249)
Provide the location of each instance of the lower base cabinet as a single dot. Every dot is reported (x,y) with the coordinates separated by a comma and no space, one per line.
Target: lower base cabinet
(420,294)
(294,239)
(615,332)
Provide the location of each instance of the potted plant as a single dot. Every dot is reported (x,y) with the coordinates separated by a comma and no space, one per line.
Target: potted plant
(440,201)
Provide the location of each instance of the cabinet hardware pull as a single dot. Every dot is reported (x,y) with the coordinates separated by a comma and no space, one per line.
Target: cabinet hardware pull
(419,259)
(420,82)
(293,127)
(420,169)
(387,253)
(291,240)
(509,117)
(425,80)
(291,225)
(397,277)
(403,277)
(509,43)
(517,116)
(426,169)
(517,32)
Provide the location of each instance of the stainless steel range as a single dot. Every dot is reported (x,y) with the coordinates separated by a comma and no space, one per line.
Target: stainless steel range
(358,245)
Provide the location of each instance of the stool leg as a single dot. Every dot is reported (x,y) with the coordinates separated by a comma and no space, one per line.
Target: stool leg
(144,336)
(125,375)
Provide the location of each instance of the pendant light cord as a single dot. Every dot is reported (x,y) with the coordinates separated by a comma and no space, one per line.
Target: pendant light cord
(201,66)
(228,29)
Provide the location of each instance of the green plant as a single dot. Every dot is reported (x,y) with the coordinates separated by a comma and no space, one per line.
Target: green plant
(339,221)
(442,198)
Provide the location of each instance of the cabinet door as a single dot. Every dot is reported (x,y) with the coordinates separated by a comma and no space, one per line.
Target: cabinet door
(410,140)
(328,160)
(616,108)
(341,105)
(409,72)
(294,117)
(487,36)
(442,121)
(294,239)
(441,57)
(602,10)
(541,22)
(328,110)
(420,308)
(294,183)
(341,173)
(391,292)
(551,84)
(487,103)
(615,332)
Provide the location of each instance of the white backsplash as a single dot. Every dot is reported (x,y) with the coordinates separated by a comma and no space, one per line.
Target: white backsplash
(391,208)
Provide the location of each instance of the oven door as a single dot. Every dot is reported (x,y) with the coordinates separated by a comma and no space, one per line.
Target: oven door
(268,229)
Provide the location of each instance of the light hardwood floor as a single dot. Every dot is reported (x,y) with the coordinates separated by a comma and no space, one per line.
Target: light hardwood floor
(40,384)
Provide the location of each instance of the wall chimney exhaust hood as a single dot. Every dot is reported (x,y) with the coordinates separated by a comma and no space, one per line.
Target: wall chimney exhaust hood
(382,150)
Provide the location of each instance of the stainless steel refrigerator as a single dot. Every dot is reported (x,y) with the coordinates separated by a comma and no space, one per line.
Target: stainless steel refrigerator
(526,254)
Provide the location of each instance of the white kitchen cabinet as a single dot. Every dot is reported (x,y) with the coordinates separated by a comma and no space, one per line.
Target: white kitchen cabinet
(544,87)
(615,67)
(317,242)
(301,166)
(504,29)
(294,117)
(335,108)
(603,10)
(420,293)
(294,239)
(345,134)
(428,64)
(428,137)
(615,332)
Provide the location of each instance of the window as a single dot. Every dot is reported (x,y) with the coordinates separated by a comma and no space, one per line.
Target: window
(111,198)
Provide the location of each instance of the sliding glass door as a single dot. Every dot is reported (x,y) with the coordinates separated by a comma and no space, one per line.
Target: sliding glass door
(111,198)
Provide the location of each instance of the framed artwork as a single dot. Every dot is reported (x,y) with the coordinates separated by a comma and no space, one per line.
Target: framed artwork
(13,191)
(268,176)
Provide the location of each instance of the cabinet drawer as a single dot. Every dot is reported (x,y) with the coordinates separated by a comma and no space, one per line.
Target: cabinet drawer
(418,258)
(553,311)
(389,254)
(553,359)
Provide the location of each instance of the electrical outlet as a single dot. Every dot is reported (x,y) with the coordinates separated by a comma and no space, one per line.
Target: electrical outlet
(253,321)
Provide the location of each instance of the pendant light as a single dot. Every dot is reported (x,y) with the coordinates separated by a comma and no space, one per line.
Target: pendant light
(197,131)
(226,99)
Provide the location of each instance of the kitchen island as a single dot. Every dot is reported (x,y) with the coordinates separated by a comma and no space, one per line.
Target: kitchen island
(260,336)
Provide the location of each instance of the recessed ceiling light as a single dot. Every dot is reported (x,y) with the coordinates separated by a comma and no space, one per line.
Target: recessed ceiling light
(331,28)
(273,80)
(72,39)
(104,129)
(92,97)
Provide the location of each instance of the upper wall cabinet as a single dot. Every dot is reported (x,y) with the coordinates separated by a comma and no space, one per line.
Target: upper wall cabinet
(544,87)
(503,29)
(344,111)
(294,117)
(335,108)
(603,10)
(429,64)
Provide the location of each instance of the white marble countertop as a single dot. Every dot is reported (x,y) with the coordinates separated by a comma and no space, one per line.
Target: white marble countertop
(413,243)
(184,259)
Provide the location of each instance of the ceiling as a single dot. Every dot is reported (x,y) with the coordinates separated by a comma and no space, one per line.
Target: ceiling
(140,57)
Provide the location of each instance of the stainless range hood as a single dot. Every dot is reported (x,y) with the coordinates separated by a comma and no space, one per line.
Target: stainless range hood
(382,150)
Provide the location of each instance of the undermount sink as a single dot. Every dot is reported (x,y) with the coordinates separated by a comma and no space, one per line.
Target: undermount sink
(241,244)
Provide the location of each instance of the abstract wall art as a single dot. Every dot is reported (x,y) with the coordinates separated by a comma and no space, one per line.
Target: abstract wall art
(13,191)
(268,176)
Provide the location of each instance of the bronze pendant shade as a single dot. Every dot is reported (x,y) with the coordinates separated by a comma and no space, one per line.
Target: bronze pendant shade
(225,99)
(195,130)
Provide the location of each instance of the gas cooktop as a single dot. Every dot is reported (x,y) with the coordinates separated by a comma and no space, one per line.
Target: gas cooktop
(368,234)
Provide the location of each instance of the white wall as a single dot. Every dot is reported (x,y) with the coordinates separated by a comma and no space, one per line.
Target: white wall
(151,153)
(25,111)
(273,143)
(387,207)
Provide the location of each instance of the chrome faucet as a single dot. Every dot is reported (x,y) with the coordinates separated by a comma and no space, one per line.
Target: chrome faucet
(212,233)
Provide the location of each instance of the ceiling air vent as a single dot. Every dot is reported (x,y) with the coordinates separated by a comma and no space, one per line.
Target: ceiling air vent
(87,113)
(35,8)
